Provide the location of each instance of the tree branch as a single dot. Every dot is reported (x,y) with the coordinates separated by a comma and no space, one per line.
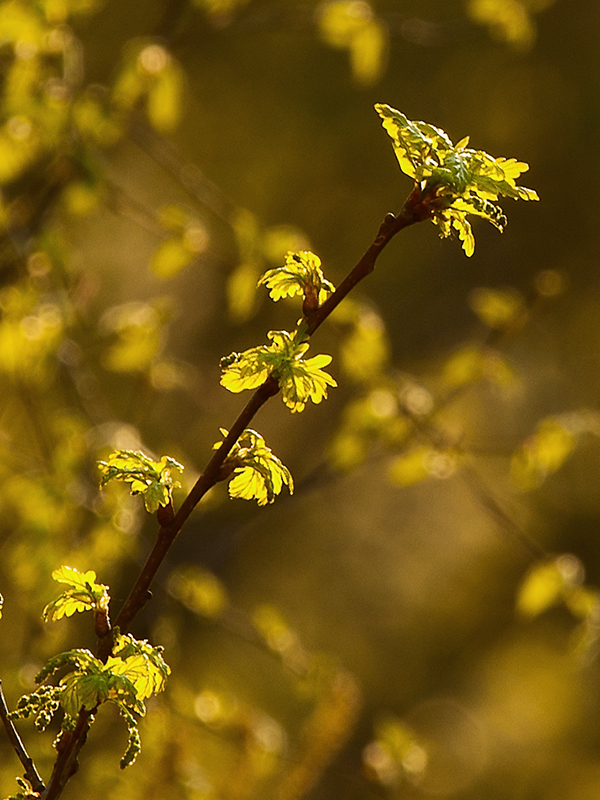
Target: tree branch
(420,205)
(31,772)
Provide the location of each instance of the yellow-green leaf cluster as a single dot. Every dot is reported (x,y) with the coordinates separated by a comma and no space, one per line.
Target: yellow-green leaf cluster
(83,594)
(259,474)
(152,479)
(300,379)
(301,274)
(134,672)
(142,663)
(463,181)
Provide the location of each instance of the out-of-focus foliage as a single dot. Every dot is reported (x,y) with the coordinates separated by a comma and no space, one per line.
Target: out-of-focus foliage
(511,21)
(352,25)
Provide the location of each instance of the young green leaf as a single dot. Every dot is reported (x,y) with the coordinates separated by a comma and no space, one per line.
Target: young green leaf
(300,379)
(300,275)
(83,594)
(141,663)
(462,181)
(259,474)
(152,479)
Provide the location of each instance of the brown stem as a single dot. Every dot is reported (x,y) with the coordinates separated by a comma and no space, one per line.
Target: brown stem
(140,594)
(66,764)
(420,205)
(31,772)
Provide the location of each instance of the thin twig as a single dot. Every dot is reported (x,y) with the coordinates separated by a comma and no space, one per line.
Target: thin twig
(31,772)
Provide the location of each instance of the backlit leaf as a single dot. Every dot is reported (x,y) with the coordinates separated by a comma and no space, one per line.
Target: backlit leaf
(83,594)
(258,473)
(457,180)
(300,379)
(300,275)
(152,479)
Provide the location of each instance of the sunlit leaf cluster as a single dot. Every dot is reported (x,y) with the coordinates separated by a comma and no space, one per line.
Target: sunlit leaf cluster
(83,594)
(152,479)
(462,181)
(258,473)
(142,663)
(300,379)
(134,672)
(301,275)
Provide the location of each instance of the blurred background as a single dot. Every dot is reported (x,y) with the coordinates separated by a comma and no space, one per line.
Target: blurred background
(420,618)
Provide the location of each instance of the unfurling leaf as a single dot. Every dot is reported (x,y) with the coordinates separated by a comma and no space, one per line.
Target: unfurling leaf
(83,594)
(300,379)
(152,479)
(142,663)
(259,474)
(300,275)
(457,180)
(135,671)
